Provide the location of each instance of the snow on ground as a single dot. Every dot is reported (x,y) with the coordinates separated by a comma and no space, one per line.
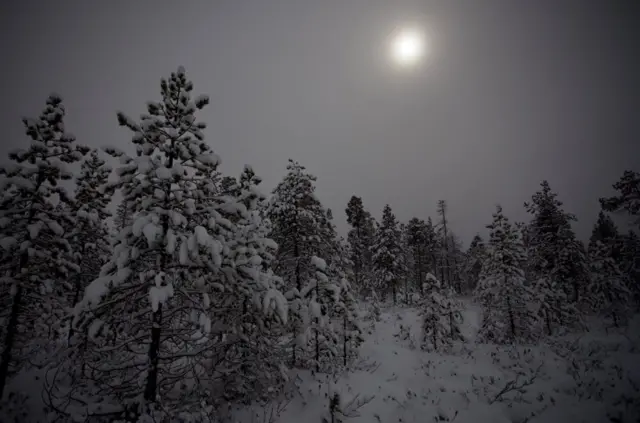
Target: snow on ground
(574,378)
(401,383)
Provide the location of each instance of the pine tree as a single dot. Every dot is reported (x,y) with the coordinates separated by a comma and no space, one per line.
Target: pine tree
(443,235)
(608,288)
(360,239)
(156,292)
(476,255)
(440,316)
(431,246)
(297,218)
(229,186)
(253,363)
(628,198)
(387,254)
(90,232)
(35,255)
(630,263)
(457,258)
(555,254)
(347,309)
(416,240)
(406,261)
(501,289)
(604,230)
(608,293)
(122,218)
(324,295)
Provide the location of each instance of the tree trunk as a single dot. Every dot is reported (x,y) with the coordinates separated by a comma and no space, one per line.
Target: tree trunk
(512,323)
(435,335)
(406,291)
(296,253)
(12,329)
(451,331)
(76,297)
(344,328)
(317,344)
(154,349)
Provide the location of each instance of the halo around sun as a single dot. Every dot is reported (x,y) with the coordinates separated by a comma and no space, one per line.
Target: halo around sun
(408,46)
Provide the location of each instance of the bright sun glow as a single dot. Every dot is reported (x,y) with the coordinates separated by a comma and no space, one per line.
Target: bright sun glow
(408,47)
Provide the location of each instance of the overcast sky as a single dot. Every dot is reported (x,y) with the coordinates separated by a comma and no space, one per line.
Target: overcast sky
(514,92)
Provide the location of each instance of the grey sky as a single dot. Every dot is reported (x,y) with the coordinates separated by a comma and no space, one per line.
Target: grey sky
(516,91)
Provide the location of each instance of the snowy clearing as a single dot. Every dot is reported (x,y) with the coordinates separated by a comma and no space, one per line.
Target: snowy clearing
(395,381)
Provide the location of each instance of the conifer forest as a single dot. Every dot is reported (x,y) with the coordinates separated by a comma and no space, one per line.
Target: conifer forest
(153,288)
(320,211)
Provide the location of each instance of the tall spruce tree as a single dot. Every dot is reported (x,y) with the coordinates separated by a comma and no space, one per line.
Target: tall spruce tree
(501,289)
(387,254)
(35,256)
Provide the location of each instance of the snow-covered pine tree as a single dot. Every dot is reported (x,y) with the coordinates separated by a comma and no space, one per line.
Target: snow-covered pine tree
(476,255)
(252,364)
(628,197)
(360,239)
(374,306)
(154,297)
(347,311)
(456,261)
(229,186)
(90,234)
(501,290)
(122,217)
(416,240)
(605,231)
(344,313)
(35,256)
(324,295)
(440,315)
(444,258)
(387,254)
(630,263)
(406,263)
(298,221)
(607,292)
(557,260)
(431,246)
